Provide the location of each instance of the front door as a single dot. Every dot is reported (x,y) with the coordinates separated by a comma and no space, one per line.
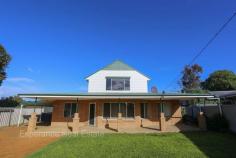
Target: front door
(91,114)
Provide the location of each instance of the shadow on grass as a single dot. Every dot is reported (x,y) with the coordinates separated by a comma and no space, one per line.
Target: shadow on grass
(213,144)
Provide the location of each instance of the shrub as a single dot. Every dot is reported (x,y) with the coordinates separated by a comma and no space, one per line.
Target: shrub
(217,123)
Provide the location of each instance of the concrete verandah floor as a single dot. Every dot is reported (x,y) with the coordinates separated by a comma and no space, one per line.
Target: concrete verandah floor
(92,129)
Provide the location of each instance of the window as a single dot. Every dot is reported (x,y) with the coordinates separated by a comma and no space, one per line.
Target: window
(106,110)
(130,110)
(111,110)
(123,109)
(117,83)
(114,109)
(166,109)
(70,109)
(144,110)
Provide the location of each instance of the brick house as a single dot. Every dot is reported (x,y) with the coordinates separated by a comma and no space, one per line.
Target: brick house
(117,95)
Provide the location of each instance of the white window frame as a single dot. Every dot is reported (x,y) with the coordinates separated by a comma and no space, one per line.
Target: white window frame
(110,118)
(76,110)
(123,78)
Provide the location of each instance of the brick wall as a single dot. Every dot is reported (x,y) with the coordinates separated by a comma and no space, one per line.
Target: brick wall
(153,113)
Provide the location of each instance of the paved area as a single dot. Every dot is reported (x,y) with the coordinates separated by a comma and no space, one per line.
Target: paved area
(13,145)
(49,130)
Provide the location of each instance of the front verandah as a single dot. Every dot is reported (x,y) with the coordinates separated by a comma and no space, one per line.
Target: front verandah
(110,113)
(152,118)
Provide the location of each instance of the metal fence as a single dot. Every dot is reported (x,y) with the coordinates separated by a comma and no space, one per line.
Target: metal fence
(228,111)
(10,116)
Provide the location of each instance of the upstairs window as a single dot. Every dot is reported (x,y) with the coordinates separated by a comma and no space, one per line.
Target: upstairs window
(118,83)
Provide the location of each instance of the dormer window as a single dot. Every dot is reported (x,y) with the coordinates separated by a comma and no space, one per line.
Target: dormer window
(118,83)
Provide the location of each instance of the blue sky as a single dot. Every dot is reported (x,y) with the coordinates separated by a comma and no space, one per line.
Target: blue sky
(55,44)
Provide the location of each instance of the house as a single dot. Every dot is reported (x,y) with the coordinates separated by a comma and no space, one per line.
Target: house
(117,97)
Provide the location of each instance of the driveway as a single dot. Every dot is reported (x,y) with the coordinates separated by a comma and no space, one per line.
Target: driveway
(12,145)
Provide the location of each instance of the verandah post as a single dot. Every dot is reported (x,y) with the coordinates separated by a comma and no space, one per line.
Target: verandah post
(75,123)
(202,121)
(32,123)
(119,119)
(162,117)
(19,118)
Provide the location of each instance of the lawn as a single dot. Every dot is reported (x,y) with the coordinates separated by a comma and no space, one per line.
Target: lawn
(193,144)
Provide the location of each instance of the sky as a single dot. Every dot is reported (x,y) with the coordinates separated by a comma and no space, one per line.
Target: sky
(55,44)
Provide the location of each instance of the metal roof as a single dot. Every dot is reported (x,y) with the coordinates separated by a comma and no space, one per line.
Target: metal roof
(224,93)
(118,65)
(75,96)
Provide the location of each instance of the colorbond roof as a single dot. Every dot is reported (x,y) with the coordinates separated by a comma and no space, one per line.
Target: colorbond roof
(224,93)
(148,96)
(118,65)
(113,94)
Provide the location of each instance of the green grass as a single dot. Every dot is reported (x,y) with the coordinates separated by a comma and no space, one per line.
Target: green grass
(192,144)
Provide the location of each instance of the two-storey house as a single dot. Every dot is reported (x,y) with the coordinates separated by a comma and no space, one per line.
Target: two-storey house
(117,97)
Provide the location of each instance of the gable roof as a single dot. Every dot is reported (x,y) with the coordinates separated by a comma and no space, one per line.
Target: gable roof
(118,65)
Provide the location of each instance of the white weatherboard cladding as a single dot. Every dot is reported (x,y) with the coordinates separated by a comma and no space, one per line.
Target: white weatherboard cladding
(97,81)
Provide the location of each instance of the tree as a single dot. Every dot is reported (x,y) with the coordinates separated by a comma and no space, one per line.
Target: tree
(190,80)
(5,58)
(220,80)
(10,101)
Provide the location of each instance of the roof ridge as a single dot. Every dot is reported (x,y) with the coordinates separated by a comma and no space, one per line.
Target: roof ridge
(118,65)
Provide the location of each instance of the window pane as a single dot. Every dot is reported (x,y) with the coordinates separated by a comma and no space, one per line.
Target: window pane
(106,110)
(114,109)
(117,84)
(130,110)
(167,110)
(108,84)
(144,110)
(73,109)
(67,108)
(123,109)
(127,84)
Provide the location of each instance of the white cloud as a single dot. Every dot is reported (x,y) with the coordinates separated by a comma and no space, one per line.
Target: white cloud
(29,69)
(14,90)
(19,79)
(15,85)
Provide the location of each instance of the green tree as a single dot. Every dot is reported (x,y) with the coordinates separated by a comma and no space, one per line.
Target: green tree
(5,58)
(220,80)
(10,101)
(190,80)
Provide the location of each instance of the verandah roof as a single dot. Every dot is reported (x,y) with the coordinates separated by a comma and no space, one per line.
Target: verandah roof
(81,96)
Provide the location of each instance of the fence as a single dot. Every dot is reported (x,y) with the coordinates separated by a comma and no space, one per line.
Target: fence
(228,111)
(10,116)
